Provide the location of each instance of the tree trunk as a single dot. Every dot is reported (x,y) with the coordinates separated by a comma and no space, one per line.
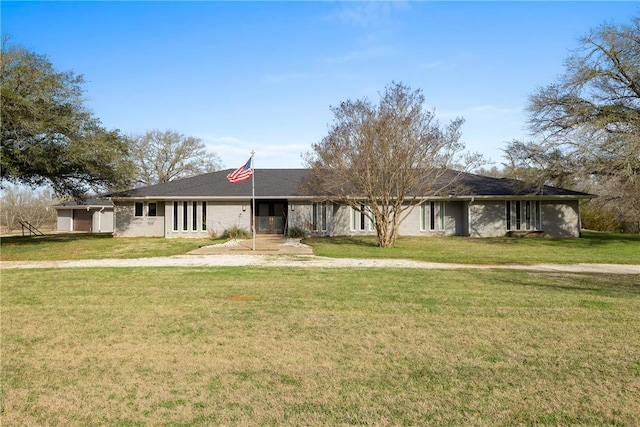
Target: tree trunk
(386,230)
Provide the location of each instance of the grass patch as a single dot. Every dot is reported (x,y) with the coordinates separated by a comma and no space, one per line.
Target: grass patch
(75,246)
(606,248)
(250,346)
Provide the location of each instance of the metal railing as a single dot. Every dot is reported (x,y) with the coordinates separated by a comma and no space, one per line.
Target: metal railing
(32,230)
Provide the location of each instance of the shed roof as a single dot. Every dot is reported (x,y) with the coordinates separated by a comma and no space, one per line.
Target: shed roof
(89,202)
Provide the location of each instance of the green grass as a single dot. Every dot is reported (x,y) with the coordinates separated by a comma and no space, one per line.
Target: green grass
(248,346)
(605,248)
(74,246)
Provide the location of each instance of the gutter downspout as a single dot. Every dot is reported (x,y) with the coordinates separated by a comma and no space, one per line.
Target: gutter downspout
(100,219)
(473,199)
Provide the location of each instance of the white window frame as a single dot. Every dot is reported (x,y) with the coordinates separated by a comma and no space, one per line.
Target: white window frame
(352,218)
(359,219)
(176,210)
(523,215)
(135,209)
(319,216)
(185,216)
(203,217)
(442,216)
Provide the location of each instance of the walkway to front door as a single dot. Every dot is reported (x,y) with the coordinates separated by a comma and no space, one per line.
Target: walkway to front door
(271,216)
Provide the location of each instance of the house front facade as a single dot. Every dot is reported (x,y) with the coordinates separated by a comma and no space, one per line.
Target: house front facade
(208,204)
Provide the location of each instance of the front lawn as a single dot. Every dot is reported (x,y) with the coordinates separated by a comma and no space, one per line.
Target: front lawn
(73,246)
(604,248)
(607,248)
(271,347)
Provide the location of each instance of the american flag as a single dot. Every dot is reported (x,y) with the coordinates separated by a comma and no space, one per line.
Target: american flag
(242,173)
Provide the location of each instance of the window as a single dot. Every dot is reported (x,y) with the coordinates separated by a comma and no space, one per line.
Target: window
(153,209)
(432,215)
(185,217)
(523,215)
(319,216)
(175,216)
(357,218)
(139,208)
(435,216)
(423,216)
(194,215)
(352,223)
(204,216)
(360,219)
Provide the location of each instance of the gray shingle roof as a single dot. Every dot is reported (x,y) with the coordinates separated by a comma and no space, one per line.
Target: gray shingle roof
(479,185)
(268,183)
(281,183)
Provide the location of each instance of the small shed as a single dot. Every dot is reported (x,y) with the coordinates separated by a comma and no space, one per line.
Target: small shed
(90,216)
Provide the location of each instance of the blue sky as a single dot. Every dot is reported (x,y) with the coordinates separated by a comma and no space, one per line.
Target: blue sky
(261,76)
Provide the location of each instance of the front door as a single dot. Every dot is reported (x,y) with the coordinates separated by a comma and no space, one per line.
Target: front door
(271,216)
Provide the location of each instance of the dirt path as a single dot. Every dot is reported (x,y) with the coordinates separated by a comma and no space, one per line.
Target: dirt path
(310,261)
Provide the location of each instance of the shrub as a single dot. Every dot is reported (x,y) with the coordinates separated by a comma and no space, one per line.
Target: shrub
(598,218)
(236,232)
(296,232)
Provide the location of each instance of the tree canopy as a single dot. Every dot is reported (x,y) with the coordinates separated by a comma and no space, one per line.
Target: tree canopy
(383,159)
(588,122)
(48,136)
(162,156)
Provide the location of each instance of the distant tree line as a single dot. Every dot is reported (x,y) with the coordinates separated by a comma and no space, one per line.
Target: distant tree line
(24,204)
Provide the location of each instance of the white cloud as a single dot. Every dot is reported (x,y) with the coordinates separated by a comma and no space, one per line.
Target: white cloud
(374,22)
(368,14)
(235,151)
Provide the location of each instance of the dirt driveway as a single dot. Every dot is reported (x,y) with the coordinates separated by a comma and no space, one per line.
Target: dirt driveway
(309,261)
(274,251)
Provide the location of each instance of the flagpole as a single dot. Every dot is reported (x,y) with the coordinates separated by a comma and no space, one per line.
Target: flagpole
(253,201)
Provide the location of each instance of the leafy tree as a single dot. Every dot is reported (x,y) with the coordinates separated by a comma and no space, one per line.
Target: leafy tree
(48,136)
(589,120)
(162,156)
(383,159)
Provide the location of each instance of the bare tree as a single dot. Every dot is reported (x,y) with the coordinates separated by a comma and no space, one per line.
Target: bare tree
(589,120)
(22,204)
(493,171)
(538,164)
(163,156)
(382,160)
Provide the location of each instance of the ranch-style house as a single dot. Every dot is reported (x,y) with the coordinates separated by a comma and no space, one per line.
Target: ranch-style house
(208,204)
